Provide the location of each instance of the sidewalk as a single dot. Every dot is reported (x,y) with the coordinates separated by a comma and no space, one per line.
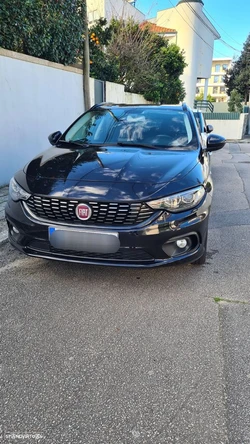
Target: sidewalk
(3,225)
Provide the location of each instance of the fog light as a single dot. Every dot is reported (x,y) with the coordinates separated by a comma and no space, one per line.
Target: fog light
(15,230)
(181,243)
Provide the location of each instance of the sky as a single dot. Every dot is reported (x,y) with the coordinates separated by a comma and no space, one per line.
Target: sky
(231,18)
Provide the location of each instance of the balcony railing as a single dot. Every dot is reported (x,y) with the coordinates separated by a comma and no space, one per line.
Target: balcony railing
(204,105)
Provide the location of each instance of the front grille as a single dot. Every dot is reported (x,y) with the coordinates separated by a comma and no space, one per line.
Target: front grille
(103,213)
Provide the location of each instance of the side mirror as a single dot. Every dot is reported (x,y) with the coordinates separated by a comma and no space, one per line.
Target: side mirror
(209,128)
(54,137)
(215,142)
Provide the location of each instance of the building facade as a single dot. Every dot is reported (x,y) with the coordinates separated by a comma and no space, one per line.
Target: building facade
(216,85)
(196,36)
(108,9)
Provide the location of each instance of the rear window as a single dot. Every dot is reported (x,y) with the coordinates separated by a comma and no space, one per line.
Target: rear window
(156,127)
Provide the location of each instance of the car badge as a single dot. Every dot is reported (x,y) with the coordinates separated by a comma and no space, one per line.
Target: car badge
(83,212)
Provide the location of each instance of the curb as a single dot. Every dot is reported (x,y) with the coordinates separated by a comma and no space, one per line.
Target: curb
(3,231)
(238,141)
(4,236)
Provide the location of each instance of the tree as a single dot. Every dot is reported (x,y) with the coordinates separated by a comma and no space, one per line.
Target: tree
(238,77)
(142,61)
(165,85)
(201,97)
(234,103)
(49,29)
(102,66)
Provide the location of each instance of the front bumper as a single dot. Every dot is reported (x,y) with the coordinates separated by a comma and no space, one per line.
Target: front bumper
(150,244)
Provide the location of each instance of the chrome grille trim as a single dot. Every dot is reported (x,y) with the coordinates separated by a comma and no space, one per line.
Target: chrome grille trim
(53,210)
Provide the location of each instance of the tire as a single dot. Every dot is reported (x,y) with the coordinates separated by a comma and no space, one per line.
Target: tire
(202,259)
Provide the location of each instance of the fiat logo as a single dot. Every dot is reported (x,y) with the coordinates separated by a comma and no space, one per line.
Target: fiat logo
(83,211)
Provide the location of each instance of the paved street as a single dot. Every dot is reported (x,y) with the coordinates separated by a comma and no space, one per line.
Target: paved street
(100,355)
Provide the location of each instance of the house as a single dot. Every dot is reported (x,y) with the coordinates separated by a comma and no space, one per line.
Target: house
(169,34)
(216,85)
(195,34)
(108,9)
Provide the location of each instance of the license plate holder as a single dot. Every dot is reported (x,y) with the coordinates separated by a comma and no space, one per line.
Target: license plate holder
(88,241)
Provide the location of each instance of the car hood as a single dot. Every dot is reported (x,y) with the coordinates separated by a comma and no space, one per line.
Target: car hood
(127,173)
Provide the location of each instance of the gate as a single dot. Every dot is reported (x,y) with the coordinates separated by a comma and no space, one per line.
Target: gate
(99,91)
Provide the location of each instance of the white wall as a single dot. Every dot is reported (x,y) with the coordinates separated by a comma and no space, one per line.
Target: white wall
(134,99)
(116,94)
(95,10)
(38,97)
(122,9)
(220,107)
(230,129)
(35,100)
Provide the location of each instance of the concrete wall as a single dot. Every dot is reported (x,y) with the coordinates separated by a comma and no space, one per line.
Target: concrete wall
(38,97)
(115,93)
(230,129)
(220,107)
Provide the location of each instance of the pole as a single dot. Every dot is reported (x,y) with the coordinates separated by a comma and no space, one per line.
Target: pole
(85,64)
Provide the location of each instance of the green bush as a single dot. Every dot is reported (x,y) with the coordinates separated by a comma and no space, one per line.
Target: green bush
(49,29)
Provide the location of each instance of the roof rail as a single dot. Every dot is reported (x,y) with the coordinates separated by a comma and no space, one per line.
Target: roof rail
(184,106)
(96,105)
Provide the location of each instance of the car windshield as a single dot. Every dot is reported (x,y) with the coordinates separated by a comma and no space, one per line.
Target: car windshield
(153,128)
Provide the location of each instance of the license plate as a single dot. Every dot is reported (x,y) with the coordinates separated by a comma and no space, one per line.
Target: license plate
(84,240)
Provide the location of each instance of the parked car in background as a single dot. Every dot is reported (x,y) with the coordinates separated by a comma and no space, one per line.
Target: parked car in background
(202,125)
(126,185)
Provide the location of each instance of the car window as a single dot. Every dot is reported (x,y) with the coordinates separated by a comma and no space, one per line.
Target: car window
(91,127)
(200,121)
(156,127)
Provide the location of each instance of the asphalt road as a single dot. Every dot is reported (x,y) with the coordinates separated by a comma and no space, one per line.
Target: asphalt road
(100,355)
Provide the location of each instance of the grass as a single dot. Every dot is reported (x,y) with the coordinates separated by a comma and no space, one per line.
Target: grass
(217,300)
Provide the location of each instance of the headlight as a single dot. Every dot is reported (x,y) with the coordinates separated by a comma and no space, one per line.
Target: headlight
(16,192)
(179,202)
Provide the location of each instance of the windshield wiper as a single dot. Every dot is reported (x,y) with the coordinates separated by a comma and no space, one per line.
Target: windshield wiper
(137,144)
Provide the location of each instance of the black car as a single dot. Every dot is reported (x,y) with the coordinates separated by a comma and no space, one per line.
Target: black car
(124,185)
(202,125)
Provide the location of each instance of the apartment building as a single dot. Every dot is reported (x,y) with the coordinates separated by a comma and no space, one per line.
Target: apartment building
(216,85)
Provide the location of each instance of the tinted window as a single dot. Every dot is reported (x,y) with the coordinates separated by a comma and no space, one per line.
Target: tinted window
(200,121)
(156,127)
